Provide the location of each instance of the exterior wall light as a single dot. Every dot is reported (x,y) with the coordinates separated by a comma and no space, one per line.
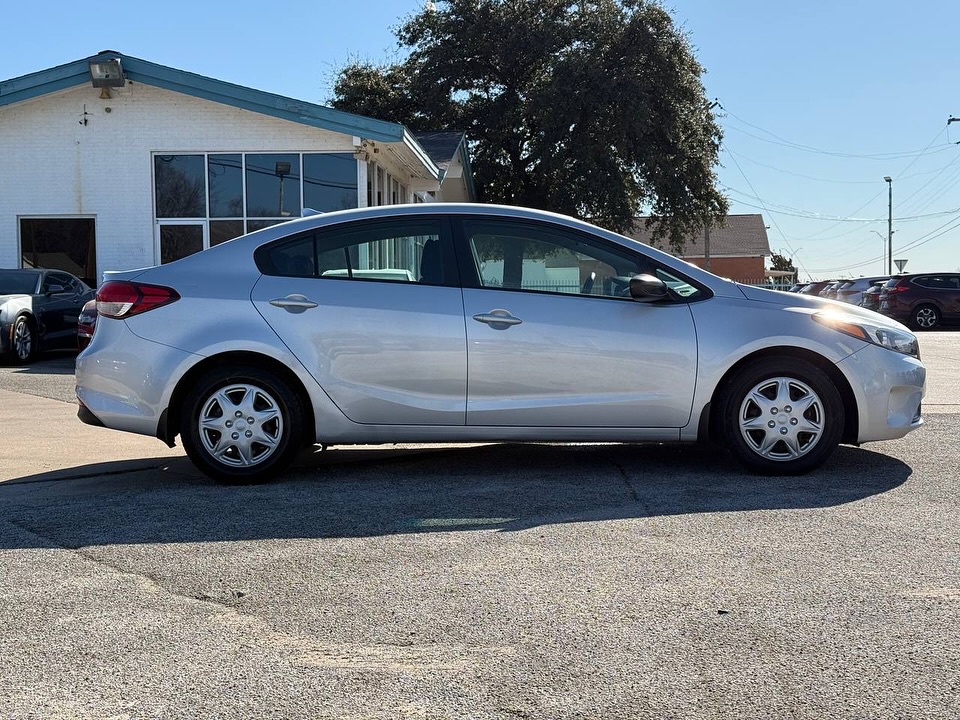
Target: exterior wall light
(106,73)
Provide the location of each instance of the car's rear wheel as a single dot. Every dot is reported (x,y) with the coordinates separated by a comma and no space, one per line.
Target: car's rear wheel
(782,416)
(24,345)
(242,424)
(925,317)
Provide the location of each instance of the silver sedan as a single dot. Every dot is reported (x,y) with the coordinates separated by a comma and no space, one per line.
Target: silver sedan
(453,323)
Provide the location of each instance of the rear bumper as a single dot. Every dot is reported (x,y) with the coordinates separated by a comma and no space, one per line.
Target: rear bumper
(124,381)
(83,412)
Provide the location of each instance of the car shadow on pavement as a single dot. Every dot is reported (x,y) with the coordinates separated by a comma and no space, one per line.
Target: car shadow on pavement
(52,362)
(347,492)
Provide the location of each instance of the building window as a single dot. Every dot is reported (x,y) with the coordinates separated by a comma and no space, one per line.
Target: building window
(235,193)
(273,185)
(180,188)
(329,181)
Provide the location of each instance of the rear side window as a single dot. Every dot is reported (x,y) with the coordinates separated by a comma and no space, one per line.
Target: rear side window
(409,251)
(938,282)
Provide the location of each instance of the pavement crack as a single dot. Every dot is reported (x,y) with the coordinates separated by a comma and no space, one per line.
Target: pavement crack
(626,481)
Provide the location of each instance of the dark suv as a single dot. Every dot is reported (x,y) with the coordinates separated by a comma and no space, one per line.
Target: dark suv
(922,301)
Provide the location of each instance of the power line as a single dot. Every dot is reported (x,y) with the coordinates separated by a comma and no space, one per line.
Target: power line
(819,151)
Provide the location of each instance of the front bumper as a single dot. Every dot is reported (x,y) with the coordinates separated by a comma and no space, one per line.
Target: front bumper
(889,388)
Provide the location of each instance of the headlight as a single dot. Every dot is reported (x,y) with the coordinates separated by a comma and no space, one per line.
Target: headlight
(891,338)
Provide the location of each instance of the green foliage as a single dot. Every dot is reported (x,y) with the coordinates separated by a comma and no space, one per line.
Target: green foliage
(590,108)
(781,262)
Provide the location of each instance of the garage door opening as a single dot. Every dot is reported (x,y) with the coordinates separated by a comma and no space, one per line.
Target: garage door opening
(60,244)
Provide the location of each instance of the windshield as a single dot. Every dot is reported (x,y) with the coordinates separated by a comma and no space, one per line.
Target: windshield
(19,282)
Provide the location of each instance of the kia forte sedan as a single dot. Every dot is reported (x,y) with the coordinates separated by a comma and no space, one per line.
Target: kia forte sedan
(452,323)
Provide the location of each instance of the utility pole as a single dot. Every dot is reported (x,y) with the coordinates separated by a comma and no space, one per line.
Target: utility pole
(706,246)
(889,224)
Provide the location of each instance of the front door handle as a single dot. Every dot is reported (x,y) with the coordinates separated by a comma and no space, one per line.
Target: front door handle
(498,319)
(294,303)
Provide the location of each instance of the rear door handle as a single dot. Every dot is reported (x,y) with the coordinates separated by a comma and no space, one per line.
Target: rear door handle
(498,319)
(294,303)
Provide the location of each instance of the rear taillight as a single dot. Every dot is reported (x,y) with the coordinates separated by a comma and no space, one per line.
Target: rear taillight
(895,289)
(120,299)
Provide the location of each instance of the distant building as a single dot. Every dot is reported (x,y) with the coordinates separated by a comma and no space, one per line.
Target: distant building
(738,250)
(113,163)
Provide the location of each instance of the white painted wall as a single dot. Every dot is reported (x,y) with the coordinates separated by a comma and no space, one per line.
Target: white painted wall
(52,164)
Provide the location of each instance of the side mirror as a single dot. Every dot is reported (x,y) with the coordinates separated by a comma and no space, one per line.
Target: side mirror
(55,290)
(647,288)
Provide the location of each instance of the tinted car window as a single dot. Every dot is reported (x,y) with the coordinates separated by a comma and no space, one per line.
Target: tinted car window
(389,252)
(57,279)
(18,282)
(937,282)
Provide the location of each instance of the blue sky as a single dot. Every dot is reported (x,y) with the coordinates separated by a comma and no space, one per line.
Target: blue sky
(821,100)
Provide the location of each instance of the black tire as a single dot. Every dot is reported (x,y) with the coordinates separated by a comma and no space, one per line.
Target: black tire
(782,416)
(250,447)
(924,317)
(23,346)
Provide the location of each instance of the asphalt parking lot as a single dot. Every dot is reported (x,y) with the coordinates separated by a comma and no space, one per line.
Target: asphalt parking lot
(494,581)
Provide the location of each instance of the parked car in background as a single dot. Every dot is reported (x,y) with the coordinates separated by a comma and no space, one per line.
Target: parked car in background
(814,288)
(797,287)
(922,300)
(852,290)
(86,323)
(38,311)
(506,324)
(830,290)
(870,299)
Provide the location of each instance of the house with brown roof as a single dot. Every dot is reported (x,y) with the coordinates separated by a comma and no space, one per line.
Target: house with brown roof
(737,250)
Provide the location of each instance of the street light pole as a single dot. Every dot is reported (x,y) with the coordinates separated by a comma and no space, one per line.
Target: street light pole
(889,224)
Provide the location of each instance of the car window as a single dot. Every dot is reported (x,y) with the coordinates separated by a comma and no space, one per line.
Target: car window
(60,279)
(544,258)
(408,251)
(19,282)
(937,282)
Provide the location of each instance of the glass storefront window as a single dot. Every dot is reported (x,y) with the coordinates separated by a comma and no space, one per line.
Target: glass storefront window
(223,230)
(178,241)
(225,179)
(329,181)
(180,188)
(273,185)
(229,194)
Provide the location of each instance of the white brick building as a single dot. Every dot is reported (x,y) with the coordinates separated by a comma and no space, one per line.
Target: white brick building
(169,162)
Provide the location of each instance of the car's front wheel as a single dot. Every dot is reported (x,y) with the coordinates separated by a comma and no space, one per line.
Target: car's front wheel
(241,424)
(782,416)
(24,345)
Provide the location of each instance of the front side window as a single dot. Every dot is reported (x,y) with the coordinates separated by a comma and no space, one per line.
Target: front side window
(521,256)
(543,258)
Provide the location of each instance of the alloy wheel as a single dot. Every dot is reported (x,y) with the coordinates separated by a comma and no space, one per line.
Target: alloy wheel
(22,340)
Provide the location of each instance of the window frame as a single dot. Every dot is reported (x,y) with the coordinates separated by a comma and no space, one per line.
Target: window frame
(469,271)
(451,268)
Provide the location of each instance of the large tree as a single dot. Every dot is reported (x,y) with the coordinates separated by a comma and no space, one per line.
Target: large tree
(593,108)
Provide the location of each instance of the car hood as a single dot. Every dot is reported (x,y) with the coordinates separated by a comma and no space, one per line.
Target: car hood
(812,303)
